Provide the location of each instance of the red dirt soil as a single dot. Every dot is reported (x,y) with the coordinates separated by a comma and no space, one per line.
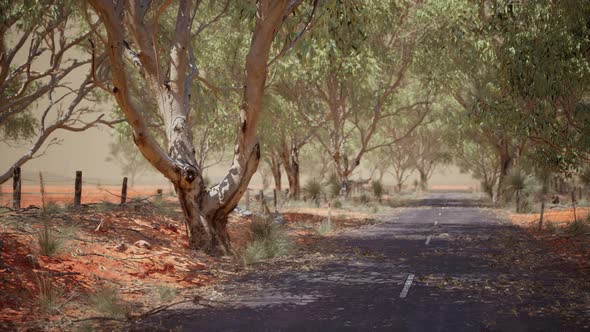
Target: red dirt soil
(91,259)
(572,247)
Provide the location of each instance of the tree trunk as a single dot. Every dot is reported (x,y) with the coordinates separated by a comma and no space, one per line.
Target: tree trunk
(293,177)
(423,180)
(275,168)
(345,187)
(290,160)
(505,166)
(205,211)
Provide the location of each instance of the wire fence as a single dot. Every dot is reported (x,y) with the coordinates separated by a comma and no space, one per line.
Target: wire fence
(61,190)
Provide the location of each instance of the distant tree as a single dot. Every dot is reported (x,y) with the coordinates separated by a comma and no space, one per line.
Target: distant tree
(401,161)
(356,77)
(429,152)
(132,163)
(38,92)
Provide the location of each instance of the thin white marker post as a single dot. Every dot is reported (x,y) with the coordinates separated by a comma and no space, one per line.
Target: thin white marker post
(435,223)
(407,286)
(330,213)
(427,240)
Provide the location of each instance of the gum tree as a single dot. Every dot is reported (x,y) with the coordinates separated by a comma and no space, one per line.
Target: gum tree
(356,78)
(168,67)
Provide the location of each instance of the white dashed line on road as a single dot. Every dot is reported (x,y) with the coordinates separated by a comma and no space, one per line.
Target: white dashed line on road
(407,286)
(427,240)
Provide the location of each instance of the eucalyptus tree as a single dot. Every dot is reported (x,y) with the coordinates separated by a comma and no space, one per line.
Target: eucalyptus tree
(293,132)
(43,47)
(545,69)
(401,161)
(466,68)
(429,152)
(519,71)
(356,77)
(130,33)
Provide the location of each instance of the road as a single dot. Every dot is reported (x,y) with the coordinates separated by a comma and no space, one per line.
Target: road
(444,264)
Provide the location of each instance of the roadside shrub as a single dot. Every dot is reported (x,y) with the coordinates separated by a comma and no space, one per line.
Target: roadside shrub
(378,189)
(50,295)
(313,189)
(333,185)
(578,227)
(51,207)
(106,301)
(105,206)
(50,243)
(526,205)
(516,184)
(323,228)
(165,293)
(69,206)
(550,227)
(487,188)
(268,240)
(364,199)
(374,209)
(337,204)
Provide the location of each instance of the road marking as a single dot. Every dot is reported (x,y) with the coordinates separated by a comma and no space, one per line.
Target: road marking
(407,286)
(427,240)
(435,223)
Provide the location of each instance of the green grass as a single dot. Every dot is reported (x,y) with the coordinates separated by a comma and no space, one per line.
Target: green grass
(375,209)
(550,227)
(378,189)
(51,207)
(268,240)
(323,228)
(313,189)
(105,206)
(337,204)
(578,227)
(50,295)
(106,301)
(165,293)
(49,241)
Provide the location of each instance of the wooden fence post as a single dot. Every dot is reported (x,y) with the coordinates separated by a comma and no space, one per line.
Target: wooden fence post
(16,188)
(78,189)
(42,188)
(124,191)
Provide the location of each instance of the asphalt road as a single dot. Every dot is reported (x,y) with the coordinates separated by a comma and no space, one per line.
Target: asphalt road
(469,271)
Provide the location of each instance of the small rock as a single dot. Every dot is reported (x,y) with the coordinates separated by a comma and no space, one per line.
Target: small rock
(242,212)
(143,244)
(172,227)
(121,246)
(278,219)
(33,261)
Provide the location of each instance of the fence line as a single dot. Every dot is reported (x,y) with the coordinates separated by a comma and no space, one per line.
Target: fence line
(40,194)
